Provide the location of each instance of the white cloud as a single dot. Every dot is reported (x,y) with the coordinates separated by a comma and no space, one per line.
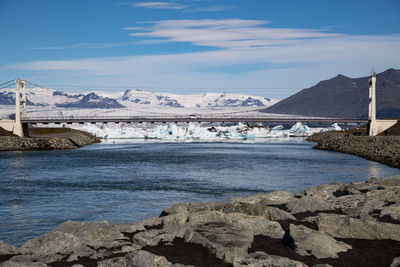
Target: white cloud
(226,33)
(250,55)
(160,5)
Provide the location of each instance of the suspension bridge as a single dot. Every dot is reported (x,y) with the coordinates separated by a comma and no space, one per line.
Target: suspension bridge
(23,118)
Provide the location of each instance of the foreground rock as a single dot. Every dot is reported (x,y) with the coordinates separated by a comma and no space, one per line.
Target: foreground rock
(384,149)
(337,224)
(47,139)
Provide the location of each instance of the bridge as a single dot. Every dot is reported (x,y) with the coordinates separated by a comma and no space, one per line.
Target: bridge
(187,118)
(21,122)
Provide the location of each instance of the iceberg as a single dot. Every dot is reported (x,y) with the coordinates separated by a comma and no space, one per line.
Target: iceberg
(193,131)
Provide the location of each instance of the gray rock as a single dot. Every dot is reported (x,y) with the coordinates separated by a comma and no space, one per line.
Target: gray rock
(261,259)
(308,204)
(391,212)
(227,241)
(11,263)
(70,236)
(343,226)
(257,225)
(6,248)
(309,242)
(175,209)
(138,258)
(322,192)
(396,262)
(390,181)
(274,198)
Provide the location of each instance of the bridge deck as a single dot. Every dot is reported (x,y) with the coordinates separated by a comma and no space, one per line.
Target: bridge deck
(190,119)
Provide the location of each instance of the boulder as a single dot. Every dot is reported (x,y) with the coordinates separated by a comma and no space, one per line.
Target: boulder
(391,214)
(140,258)
(6,248)
(271,213)
(322,192)
(343,226)
(308,204)
(390,181)
(258,225)
(396,262)
(309,242)
(227,241)
(278,197)
(261,259)
(70,236)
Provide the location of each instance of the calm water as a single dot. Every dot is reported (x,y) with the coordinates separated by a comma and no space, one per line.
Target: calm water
(130,182)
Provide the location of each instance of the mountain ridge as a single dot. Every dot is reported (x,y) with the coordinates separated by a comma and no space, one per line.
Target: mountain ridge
(133,98)
(342,96)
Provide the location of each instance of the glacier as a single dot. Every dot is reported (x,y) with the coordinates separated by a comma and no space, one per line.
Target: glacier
(191,132)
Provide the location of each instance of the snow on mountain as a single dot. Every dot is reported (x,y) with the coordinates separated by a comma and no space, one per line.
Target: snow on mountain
(133,97)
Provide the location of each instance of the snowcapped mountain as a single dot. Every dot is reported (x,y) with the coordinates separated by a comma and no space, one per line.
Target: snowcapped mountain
(133,98)
(207,100)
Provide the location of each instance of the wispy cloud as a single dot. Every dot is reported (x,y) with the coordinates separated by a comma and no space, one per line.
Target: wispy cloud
(211,8)
(160,5)
(193,7)
(227,33)
(83,45)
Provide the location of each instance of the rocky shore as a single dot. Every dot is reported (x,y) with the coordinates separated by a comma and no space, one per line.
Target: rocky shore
(337,224)
(47,139)
(384,149)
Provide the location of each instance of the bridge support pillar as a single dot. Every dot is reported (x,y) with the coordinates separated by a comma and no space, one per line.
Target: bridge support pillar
(23,99)
(17,124)
(375,126)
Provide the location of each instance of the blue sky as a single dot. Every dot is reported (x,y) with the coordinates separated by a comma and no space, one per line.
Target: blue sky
(260,47)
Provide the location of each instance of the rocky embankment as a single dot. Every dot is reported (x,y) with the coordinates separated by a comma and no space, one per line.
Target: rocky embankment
(355,224)
(384,149)
(47,139)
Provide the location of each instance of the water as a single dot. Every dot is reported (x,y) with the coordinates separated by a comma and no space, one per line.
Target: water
(130,182)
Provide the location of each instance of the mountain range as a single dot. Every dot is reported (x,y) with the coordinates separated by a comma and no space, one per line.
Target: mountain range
(133,98)
(342,96)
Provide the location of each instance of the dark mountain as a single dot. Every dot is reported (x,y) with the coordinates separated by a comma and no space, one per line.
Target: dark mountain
(342,96)
(93,100)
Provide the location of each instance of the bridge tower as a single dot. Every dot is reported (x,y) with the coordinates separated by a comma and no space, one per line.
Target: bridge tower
(372,125)
(375,126)
(17,130)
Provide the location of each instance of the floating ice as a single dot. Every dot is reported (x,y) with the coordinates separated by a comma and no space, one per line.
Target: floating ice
(194,132)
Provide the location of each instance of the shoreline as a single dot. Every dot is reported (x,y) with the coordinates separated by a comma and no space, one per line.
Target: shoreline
(356,224)
(40,139)
(383,149)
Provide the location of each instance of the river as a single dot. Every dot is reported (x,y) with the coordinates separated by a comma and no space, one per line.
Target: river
(129,182)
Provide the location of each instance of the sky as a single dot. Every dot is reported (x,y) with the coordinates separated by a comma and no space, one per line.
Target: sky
(258,47)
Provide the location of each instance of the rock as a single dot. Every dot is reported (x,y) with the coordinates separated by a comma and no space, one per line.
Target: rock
(390,181)
(396,262)
(343,226)
(227,241)
(278,197)
(206,217)
(70,236)
(140,258)
(308,204)
(11,263)
(309,242)
(384,149)
(322,192)
(390,214)
(257,225)
(175,209)
(153,237)
(31,260)
(6,248)
(261,259)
